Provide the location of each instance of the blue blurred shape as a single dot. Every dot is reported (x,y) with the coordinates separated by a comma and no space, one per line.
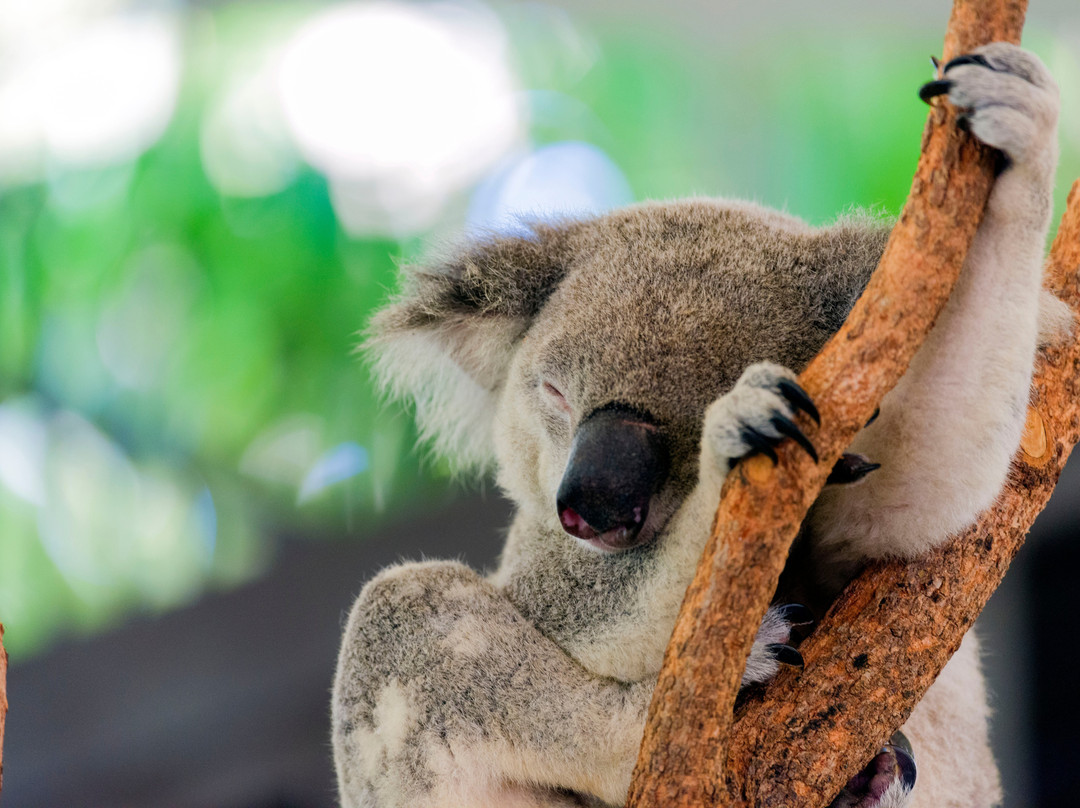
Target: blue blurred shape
(23,442)
(569,179)
(206,523)
(340,463)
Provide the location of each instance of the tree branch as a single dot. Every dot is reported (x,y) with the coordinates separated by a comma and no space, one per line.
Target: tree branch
(905,619)
(684,750)
(3,701)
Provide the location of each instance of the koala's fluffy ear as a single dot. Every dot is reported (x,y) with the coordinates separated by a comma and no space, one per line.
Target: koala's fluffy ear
(446,339)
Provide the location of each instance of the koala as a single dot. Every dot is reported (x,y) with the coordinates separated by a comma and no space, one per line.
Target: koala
(610,371)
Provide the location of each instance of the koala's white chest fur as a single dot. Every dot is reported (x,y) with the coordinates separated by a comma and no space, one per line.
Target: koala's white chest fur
(610,370)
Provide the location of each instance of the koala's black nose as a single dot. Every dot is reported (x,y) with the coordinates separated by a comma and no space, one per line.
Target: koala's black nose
(618,460)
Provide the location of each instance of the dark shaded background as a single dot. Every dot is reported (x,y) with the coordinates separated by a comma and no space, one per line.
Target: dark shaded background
(226,703)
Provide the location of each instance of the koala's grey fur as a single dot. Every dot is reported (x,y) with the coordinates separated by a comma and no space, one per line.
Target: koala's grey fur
(530,687)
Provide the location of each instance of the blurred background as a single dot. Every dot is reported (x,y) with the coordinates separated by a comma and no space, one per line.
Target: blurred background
(201,203)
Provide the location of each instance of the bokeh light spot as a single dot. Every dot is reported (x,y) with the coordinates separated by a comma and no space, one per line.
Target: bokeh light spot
(344,461)
(569,179)
(100,95)
(23,441)
(245,144)
(400,105)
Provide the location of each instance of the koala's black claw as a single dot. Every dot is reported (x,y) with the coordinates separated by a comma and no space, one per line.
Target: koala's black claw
(968,59)
(934,88)
(798,399)
(850,468)
(900,741)
(877,412)
(785,654)
(788,428)
(796,614)
(905,759)
(759,444)
(935,62)
(906,766)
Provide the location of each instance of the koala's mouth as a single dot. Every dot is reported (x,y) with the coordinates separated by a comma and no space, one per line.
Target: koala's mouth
(618,462)
(618,538)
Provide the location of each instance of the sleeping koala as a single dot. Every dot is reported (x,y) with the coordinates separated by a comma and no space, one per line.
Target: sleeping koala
(611,370)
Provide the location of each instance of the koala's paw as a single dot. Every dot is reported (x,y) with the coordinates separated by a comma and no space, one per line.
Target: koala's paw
(885,782)
(771,649)
(756,414)
(1006,98)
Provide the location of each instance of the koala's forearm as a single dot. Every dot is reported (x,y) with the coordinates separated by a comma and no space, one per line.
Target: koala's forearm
(946,434)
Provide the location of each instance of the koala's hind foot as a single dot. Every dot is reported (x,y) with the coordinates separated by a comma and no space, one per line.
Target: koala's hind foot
(1006,98)
(885,782)
(755,415)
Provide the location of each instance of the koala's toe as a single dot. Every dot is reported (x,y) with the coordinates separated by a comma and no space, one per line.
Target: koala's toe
(789,429)
(885,782)
(795,614)
(1004,57)
(798,398)
(785,655)
(756,442)
(968,59)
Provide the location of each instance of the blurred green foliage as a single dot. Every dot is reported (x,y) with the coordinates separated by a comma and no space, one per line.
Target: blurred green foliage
(186,357)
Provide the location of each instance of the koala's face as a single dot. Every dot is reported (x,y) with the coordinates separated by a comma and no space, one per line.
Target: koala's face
(599,421)
(582,359)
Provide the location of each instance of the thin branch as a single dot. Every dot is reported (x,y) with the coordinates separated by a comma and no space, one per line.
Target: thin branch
(3,701)
(690,719)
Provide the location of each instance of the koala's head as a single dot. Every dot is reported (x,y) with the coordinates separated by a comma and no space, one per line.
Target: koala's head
(579,360)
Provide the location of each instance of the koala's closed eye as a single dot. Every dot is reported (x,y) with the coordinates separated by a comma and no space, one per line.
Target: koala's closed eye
(555,396)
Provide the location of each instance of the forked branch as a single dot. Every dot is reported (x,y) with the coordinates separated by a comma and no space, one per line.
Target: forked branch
(3,701)
(902,621)
(684,758)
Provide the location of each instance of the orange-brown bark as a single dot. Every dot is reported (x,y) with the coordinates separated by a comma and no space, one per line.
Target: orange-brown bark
(684,750)
(3,701)
(903,620)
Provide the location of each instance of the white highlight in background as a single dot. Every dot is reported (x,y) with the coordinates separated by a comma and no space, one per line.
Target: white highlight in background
(341,463)
(97,96)
(400,106)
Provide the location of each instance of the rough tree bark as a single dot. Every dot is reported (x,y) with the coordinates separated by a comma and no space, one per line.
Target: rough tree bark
(893,629)
(684,751)
(3,701)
